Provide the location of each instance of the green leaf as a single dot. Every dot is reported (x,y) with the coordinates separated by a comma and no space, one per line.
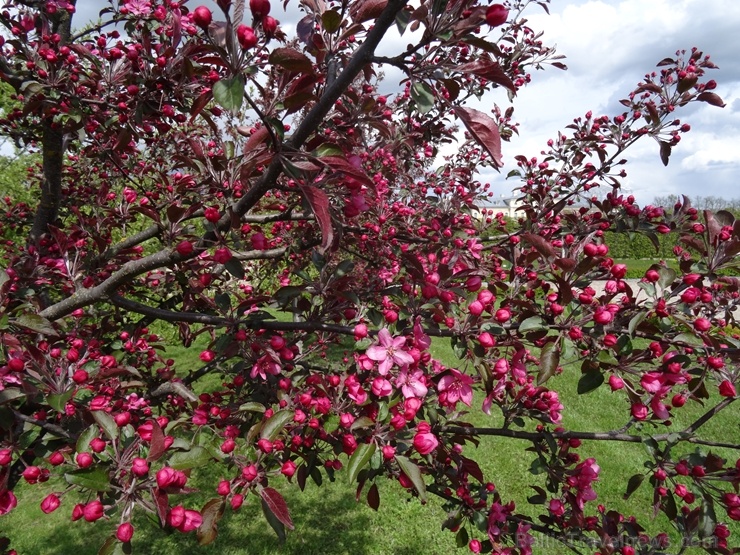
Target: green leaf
(459,347)
(549,360)
(651,446)
(58,401)
(223,300)
(359,460)
(275,424)
(7,395)
(707,518)
(461,539)
(106,422)
(328,149)
(533,323)
(689,339)
(109,546)
(331,20)
(413,472)
(632,485)
(252,407)
(95,479)
(229,93)
(667,276)
(589,382)
(635,322)
(402,20)
(36,323)
(362,422)
(423,96)
(4,277)
(197,456)
(345,267)
(83,442)
(235,268)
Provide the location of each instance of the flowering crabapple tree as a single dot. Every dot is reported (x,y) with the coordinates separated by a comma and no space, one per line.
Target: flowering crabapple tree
(206,173)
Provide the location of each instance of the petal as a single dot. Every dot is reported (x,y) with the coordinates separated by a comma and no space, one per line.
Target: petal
(384,337)
(402,358)
(376,353)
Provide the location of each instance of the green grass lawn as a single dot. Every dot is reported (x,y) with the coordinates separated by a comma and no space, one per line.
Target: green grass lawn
(328,519)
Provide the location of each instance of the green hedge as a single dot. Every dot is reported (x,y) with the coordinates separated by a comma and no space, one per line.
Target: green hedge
(636,245)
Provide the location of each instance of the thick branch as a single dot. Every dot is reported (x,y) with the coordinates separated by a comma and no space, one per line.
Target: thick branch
(127,272)
(316,115)
(52,143)
(48,426)
(592,436)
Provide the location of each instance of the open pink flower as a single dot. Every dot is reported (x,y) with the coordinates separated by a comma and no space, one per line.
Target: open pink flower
(411,384)
(389,351)
(454,387)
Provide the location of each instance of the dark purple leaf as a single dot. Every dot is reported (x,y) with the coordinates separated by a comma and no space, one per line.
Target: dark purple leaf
(277,505)
(238,14)
(540,244)
(490,70)
(304,29)
(665,152)
(367,10)
(291,59)
(711,98)
(484,130)
(157,448)
(212,512)
(472,468)
(373,497)
(319,202)
(549,360)
(161,503)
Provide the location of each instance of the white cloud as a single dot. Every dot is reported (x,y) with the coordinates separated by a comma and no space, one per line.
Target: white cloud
(610,45)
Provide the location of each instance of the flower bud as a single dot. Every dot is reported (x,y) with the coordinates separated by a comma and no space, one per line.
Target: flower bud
(50,503)
(126,530)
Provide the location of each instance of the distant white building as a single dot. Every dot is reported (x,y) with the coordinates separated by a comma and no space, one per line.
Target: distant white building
(510,207)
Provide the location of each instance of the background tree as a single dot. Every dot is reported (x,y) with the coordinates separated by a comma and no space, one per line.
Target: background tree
(207,171)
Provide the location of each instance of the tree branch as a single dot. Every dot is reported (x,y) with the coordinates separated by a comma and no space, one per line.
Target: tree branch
(48,426)
(315,116)
(592,436)
(709,415)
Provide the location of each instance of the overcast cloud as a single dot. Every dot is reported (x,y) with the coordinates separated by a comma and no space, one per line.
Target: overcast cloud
(610,45)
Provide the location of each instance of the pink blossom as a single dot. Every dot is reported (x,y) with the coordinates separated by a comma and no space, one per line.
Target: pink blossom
(389,351)
(727,389)
(497,515)
(265,365)
(138,7)
(454,387)
(556,507)
(412,385)
(185,520)
(125,532)
(93,511)
(651,382)
(50,503)
(421,340)
(381,387)
(8,502)
(524,539)
(425,441)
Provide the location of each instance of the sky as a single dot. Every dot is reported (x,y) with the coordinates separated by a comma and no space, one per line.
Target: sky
(610,45)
